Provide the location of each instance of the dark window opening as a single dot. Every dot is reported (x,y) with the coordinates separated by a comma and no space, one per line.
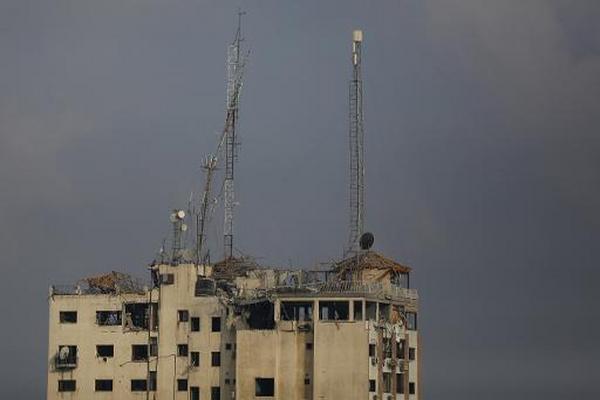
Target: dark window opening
(307,381)
(411,388)
(139,352)
(195,324)
(387,382)
(68,317)
(400,279)
(182,385)
(227,346)
(309,346)
(105,350)
(138,316)
(195,359)
(138,385)
(215,358)
(108,318)
(227,381)
(182,350)
(371,310)
(66,385)
(358,310)
(400,349)
(153,346)
(372,385)
(265,386)
(411,321)
(216,324)
(66,356)
(183,315)
(333,310)
(167,279)
(411,353)
(296,311)
(400,383)
(387,348)
(215,393)
(259,315)
(104,385)
(384,311)
(194,393)
(372,350)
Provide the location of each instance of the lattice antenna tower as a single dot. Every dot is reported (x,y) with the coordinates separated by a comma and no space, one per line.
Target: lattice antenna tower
(357,152)
(235,67)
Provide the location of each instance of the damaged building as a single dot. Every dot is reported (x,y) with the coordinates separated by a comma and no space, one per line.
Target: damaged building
(237,330)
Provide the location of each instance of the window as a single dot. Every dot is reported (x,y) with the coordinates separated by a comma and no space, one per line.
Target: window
(400,383)
(216,324)
(215,393)
(400,350)
(104,385)
(108,318)
(307,381)
(411,388)
(387,382)
(182,350)
(372,351)
(195,359)
(154,346)
(138,316)
(66,356)
(411,321)
(167,279)
(194,393)
(265,386)
(139,352)
(138,385)
(309,346)
(183,315)
(67,385)
(227,381)
(387,348)
(411,353)
(333,310)
(68,317)
(371,310)
(358,310)
(372,385)
(105,350)
(400,279)
(227,346)
(215,359)
(182,385)
(195,324)
(296,311)
(384,311)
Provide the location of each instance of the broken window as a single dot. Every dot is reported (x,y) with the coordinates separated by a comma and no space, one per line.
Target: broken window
(108,318)
(105,350)
(182,385)
(139,315)
(384,311)
(104,385)
(371,310)
(387,382)
(167,279)
(195,324)
(215,393)
(411,353)
(259,314)
(66,356)
(195,359)
(400,279)
(216,324)
(183,315)
(68,317)
(372,387)
(139,352)
(265,387)
(194,393)
(358,310)
(138,385)
(66,385)
(411,320)
(296,311)
(334,310)
(182,350)
(400,383)
(215,358)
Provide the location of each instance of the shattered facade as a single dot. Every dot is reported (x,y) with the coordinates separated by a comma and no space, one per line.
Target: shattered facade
(236,330)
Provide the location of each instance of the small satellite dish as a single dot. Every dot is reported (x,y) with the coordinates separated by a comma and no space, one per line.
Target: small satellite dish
(183,227)
(366,240)
(181,214)
(173,217)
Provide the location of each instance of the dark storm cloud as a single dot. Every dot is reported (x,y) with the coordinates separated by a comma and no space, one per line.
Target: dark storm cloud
(482,122)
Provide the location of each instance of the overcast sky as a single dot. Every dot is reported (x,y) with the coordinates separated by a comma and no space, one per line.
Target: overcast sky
(483,164)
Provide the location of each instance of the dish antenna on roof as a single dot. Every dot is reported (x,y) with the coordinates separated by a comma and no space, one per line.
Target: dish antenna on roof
(366,240)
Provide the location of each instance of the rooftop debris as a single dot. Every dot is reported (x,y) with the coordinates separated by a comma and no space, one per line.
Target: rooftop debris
(113,282)
(370,260)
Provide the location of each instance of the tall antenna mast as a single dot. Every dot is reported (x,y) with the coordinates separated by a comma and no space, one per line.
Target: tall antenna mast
(356,135)
(234,82)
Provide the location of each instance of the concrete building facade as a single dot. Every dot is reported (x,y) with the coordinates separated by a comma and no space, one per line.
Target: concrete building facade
(235,330)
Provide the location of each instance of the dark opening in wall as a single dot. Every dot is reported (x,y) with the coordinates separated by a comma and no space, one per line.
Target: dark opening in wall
(372,350)
(334,311)
(138,385)
(104,385)
(216,324)
(358,310)
(400,383)
(167,279)
(259,315)
(105,350)
(154,346)
(183,315)
(384,311)
(411,388)
(67,385)
(182,350)
(194,393)
(265,387)
(138,316)
(215,393)
(195,322)
(371,310)
(215,358)
(411,353)
(139,352)
(411,320)
(296,311)
(67,317)
(372,387)
(400,350)
(387,382)
(108,318)
(66,357)
(182,385)
(195,359)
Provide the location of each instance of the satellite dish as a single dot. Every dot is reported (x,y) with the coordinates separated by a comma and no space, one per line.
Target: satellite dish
(63,354)
(173,217)
(183,227)
(366,240)
(181,214)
